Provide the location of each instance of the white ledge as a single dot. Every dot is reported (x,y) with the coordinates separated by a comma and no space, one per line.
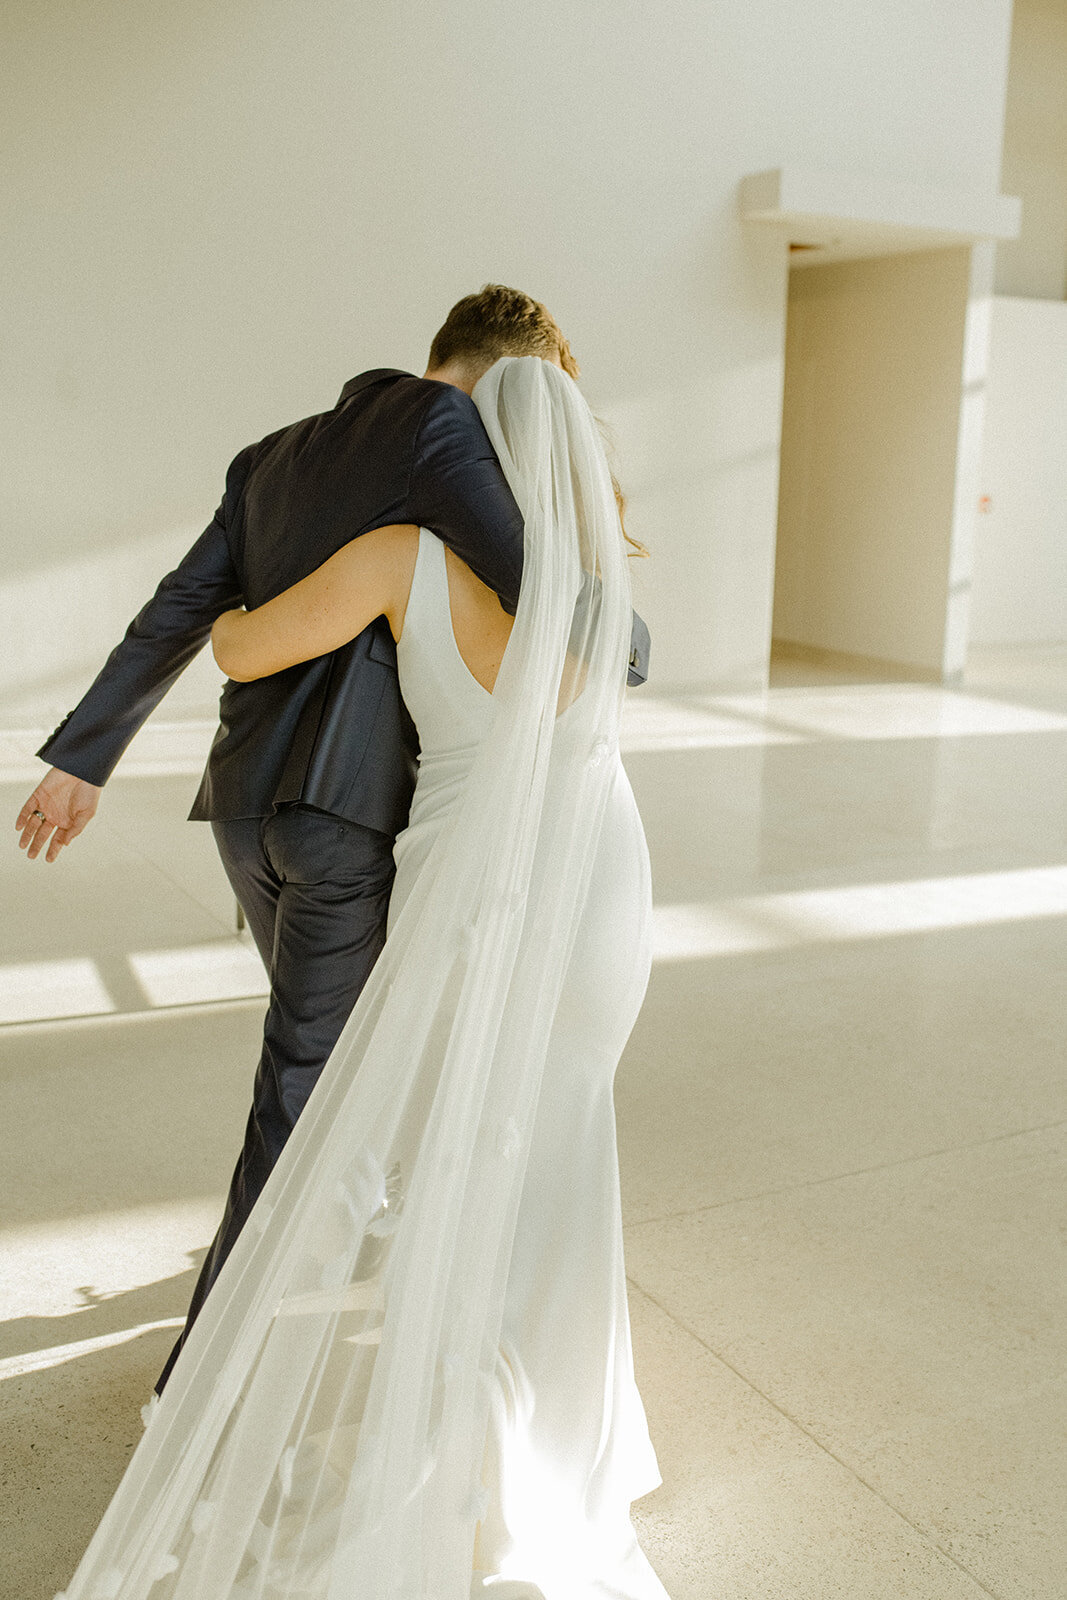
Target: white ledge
(852,213)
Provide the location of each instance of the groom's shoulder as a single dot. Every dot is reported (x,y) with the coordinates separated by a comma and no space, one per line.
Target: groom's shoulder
(388,401)
(381,408)
(398,405)
(446,412)
(363,394)
(406,391)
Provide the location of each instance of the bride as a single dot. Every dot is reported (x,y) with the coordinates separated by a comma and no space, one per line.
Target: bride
(413,1379)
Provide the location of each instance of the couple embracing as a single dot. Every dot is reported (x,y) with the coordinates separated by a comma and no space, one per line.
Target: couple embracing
(407,1370)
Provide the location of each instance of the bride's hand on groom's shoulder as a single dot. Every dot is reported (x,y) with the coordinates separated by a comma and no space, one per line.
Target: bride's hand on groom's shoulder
(55,813)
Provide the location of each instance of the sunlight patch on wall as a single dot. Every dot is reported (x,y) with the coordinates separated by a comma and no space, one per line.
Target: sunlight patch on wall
(855,911)
(198,974)
(95,592)
(160,749)
(69,988)
(193,974)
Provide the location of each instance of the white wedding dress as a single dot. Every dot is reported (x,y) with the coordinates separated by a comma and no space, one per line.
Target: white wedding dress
(412,1379)
(569,1445)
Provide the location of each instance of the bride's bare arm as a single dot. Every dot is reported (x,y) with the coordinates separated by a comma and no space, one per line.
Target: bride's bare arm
(367,578)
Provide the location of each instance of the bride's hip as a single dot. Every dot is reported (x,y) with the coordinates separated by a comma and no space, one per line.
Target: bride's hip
(618,908)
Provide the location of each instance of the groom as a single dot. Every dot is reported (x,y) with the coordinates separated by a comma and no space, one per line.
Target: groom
(311,772)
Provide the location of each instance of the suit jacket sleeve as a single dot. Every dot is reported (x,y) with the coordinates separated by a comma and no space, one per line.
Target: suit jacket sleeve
(158,645)
(459,492)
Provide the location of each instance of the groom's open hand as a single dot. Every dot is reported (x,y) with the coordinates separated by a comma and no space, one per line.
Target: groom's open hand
(56,813)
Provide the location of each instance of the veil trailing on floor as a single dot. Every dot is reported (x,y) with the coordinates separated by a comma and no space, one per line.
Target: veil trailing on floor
(322,1433)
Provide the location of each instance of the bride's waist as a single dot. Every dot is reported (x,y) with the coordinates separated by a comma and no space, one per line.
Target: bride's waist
(438,784)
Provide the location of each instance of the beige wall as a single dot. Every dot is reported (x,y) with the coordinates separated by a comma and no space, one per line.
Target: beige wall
(1035,152)
(873,380)
(218,213)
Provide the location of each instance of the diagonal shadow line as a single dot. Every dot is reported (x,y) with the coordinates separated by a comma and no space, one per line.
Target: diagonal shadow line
(853,1172)
(809,1433)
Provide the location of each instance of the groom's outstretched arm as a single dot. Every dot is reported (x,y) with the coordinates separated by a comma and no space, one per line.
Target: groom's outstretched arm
(158,645)
(458,491)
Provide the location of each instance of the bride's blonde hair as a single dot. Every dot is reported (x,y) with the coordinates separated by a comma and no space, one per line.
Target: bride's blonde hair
(636,547)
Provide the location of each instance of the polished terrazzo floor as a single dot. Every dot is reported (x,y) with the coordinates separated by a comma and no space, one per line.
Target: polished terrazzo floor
(842,1125)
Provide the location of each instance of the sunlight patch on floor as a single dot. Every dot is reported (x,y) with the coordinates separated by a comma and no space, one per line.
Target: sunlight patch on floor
(793,716)
(69,1264)
(855,911)
(41,1360)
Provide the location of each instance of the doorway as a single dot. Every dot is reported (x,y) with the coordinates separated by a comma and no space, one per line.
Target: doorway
(870,431)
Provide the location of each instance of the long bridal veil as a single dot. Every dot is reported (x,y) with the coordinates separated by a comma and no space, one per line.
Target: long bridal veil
(322,1433)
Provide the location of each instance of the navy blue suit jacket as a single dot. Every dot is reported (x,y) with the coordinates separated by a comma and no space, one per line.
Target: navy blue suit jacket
(332,732)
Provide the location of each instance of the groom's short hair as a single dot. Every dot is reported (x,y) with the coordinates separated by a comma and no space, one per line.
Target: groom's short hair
(495,322)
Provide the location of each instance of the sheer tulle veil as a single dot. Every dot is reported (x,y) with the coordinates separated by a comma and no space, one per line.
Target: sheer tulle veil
(322,1434)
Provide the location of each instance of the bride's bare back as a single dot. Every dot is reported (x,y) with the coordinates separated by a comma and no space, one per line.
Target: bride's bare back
(481,625)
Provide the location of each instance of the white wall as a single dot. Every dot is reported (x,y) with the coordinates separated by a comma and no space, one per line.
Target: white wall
(1035,152)
(1020,565)
(874,365)
(221,212)
(1019,591)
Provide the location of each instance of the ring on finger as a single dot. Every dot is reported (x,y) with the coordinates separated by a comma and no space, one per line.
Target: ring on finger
(39,814)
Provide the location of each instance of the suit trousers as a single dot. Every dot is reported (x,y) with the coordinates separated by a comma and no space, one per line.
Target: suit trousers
(315,890)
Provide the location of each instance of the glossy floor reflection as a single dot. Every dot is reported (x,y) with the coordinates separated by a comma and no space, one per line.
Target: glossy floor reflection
(841,1125)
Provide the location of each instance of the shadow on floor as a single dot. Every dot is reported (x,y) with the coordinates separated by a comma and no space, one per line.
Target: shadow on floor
(68,1431)
(102,1314)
